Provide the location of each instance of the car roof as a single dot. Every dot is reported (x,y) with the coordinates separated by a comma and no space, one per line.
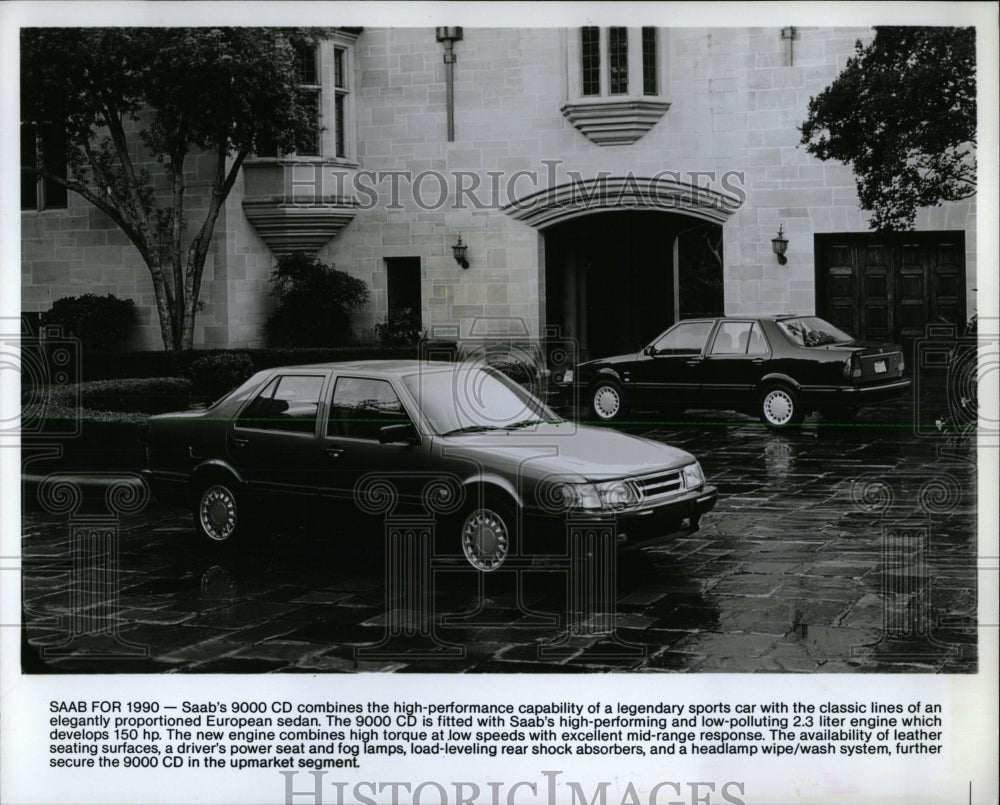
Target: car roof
(382,366)
(751,317)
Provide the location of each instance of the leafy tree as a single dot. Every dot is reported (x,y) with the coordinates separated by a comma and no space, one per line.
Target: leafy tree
(221,92)
(314,303)
(902,113)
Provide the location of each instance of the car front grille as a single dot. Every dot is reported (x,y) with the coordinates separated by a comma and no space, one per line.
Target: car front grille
(659,485)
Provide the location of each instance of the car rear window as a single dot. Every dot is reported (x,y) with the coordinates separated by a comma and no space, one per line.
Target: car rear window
(809,331)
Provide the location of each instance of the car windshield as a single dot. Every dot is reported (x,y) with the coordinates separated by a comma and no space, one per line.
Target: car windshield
(468,400)
(809,331)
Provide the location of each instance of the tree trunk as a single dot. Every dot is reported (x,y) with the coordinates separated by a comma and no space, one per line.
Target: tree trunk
(176,253)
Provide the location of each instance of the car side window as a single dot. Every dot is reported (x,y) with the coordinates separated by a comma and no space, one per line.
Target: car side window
(732,338)
(756,345)
(687,337)
(363,405)
(738,338)
(288,403)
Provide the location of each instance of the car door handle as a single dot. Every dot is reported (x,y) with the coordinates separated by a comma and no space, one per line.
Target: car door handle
(693,361)
(757,361)
(240,442)
(333,452)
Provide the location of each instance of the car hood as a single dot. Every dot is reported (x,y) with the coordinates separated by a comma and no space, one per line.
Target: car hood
(626,358)
(566,448)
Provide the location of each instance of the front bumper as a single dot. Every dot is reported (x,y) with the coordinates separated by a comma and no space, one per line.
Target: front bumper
(632,529)
(680,518)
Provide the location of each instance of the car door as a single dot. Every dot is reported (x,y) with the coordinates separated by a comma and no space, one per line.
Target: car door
(669,371)
(735,361)
(351,452)
(273,441)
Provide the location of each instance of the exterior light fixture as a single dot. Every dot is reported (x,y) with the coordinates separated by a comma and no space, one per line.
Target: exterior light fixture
(459,249)
(780,246)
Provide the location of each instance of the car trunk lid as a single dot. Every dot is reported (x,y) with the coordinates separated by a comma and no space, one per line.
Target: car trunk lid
(876,362)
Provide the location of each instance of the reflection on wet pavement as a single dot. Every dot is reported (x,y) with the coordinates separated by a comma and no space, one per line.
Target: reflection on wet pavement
(832,549)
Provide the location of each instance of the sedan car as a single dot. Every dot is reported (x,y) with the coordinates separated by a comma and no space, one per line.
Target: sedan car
(780,368)
(363,436)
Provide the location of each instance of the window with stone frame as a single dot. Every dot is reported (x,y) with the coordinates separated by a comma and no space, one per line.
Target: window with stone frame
(613,48)
(307,59)
(324,79)
(616,82)
(47,141)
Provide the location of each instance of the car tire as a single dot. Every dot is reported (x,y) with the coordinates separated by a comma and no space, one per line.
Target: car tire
(607,401)
(487,532)
(221,513)
(780,407)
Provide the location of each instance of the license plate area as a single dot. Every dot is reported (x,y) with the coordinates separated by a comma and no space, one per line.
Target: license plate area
(880,367)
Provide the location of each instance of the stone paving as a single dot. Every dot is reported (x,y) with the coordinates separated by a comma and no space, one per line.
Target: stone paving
(832,549)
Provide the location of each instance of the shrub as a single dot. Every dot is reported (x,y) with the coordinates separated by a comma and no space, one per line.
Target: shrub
(111,415)
(400,330)
(213,375)
(314,303)
(154,395)
(100,322)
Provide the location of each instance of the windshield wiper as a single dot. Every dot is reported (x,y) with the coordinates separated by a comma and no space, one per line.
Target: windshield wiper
(525,423)
(471,429)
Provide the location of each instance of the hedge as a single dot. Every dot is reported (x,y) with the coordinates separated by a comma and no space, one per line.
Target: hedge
(147,395)
(157,363)
(112,417)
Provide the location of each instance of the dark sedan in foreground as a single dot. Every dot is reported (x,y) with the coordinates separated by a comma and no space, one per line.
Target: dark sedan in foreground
(464,443)
(780,368)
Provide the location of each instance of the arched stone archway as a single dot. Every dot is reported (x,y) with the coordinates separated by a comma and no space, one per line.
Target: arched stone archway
(625,257)
(614,280)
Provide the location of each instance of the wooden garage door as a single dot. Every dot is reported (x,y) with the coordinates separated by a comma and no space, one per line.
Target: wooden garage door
(889,287)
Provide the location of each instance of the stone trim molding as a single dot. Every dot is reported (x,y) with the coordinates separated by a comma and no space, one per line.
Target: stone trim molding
(622,194)
(614,121)
(287,228)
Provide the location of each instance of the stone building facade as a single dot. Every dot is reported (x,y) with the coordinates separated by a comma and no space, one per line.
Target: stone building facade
(605,182)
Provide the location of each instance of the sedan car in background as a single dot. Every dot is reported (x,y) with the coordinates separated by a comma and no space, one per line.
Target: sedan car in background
(780,368)
(463,442)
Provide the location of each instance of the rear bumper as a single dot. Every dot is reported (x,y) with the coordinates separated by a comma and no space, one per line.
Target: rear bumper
(857,395)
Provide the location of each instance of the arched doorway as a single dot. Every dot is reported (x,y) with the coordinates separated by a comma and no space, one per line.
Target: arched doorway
(615,279)
(627,256)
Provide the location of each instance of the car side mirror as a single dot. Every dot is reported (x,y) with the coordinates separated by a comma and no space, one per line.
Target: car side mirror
(397,434)
(650,351)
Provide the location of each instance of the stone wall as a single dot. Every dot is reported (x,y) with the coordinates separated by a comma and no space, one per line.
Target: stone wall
(735,106)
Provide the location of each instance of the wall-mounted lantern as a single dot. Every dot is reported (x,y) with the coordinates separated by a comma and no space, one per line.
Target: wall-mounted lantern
(459,250)
(780,246)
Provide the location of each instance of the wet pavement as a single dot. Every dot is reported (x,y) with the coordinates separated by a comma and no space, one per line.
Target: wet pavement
(833,548)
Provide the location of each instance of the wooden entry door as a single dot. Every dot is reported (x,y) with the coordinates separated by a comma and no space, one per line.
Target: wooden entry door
(889,287)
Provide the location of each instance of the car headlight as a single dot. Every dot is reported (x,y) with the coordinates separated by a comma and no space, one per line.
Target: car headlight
(608,495)
(693,476)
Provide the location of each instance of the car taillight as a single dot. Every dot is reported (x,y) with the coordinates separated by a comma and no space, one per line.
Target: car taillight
(902,362)
(852,368)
